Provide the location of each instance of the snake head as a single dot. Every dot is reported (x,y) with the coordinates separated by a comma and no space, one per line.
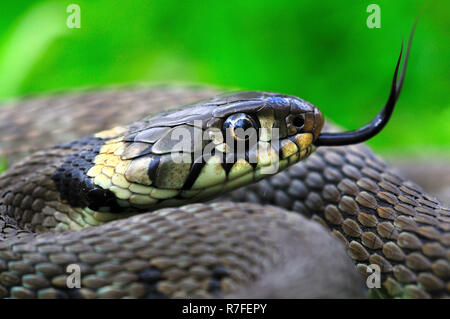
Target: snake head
(199,151)
(202,150)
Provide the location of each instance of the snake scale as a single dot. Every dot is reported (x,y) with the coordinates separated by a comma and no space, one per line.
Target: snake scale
(59,205)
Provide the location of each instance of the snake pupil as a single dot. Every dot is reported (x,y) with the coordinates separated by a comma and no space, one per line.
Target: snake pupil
(298,122)
(243,123)
(237,124)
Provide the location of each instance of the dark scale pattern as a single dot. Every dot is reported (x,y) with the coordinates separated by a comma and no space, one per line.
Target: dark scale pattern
(74,185)
(382,218)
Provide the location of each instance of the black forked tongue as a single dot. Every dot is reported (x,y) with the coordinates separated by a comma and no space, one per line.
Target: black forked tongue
(377,124)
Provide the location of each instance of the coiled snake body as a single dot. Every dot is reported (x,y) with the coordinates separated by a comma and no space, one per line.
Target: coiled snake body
(59,206)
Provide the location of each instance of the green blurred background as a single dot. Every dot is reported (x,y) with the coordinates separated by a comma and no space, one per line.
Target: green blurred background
(319,50)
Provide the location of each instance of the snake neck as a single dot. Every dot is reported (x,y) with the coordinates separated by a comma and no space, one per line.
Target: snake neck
(74,186)
(49,191)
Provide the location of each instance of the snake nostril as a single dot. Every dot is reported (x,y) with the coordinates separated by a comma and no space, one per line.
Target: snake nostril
(298,122)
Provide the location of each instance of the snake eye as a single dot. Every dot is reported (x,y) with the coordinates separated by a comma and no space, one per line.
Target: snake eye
(238,124)
(298,122)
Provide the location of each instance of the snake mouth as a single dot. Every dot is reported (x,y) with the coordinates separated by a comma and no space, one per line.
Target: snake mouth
(235,180)
(210,183)
(215,179)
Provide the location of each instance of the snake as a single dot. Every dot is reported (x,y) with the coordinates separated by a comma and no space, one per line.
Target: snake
(262,200)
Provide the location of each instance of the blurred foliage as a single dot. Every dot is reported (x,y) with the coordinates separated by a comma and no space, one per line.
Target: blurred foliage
(319,50)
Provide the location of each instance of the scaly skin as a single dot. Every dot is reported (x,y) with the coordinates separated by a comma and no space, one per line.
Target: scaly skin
(381,218)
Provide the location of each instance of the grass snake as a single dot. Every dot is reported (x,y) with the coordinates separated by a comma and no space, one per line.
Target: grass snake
(118,204)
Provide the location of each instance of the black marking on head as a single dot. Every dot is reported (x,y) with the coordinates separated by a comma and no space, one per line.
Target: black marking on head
(226,163)
(153,168)
(279,149)
(194,172)
(292,139)
(74,185)
(229,159)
